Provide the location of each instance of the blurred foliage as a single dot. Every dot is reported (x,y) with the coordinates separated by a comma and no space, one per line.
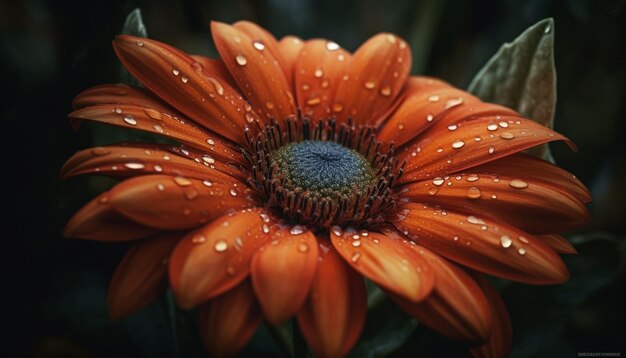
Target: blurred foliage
(50,51)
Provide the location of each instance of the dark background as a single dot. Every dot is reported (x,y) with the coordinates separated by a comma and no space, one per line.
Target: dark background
(55,289)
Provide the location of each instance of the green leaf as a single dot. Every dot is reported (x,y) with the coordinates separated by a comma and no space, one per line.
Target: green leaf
(132,26)
(521,76)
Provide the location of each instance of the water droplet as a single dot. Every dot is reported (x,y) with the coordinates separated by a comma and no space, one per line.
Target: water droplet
(220,246)
(158,128)
(458,144)
(452,127)
(385,91)
(547,30)
(182,181)
(433,99)
(313,101)
(258,45)
(491,150)
(433,191)
(341,57)
(325,84)
(158,168)
(303,247)
(518,184)
(521,251)
(217,85)
(210,141)
(507,135)
(438,181)
(453,102)
(175,72)
(266,228)
(503,124)
(99,151)
(429,118)
(474,220)
(390,38)
(492,126)
(160,187)
(478,139)
(118,110)
(356,243)
(139,43)
(208,159)
(400,126)
(355,257)
(472,177)
(524,240)
(337,230)
(505,241)
(249,117)
(166,157)
(494,196)
(135,166)
(233,192)
(296,230)
(241,60)
(318,73)
(191,194)
(269,105)
(332,46)
(207,183)
(130,120)
(198,239)
(337,107)
(473,193)
(369,85)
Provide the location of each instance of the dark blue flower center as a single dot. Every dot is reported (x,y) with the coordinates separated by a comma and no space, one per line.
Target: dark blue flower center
(324,167)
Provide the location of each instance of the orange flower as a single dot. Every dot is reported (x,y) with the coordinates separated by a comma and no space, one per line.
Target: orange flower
(303,168)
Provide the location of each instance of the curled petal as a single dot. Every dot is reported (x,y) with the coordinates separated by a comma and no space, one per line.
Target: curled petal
(533,205)
(212,65)
(228,322)
(471,143)
(118,93)
(159,121)
(333,316)
(141,276)
(174,203)
(182,82)
(216,257)
(290,47)
(390,262)
(499,343)
(256,70)
(456,308)
(524,166)
(483,244)
(377,72)
(283,270)
(318,72)
(98,221)
(558,243)
(122,161)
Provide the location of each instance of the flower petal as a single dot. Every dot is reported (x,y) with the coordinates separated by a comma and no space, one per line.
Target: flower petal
(139,112)
(427,102)
(318,72)
(141,276)
(524,166)
(122,161)
(228,322)
(532,205)
(216,257)
(282,272)
(456,308)
(482,244)
(333,317)
(256,70)
(174,203)
(378,71)
(290,47)
(499,344)
(445,150)
(98,221)
(390,262)
(558,243)
(179,80)
(212,65)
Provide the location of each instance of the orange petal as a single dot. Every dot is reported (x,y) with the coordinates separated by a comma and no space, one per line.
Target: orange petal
(525,166)
(228,322)
(390,262)
(215,258)
(212,65)
(98,221)
(174,203)
(456,308)
(378,71)
(141,276)
(256,70)
(122,161)
(290,47)
(333,316)
(118,93)
(185,84)
(499,344)
(282,272)
(428,102)
(532,205)
(318,72)
(138,111)
(558,243)
(445,150)
(482,244)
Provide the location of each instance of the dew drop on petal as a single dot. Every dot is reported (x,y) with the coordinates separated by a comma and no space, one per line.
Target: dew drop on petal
(269,105)
(241,60)
(433,99)
(296,230)
(233,192)
(135,166)
(217,85)
(303,247)
(258,45)
(473,193)
(332,46)
(524,240)
(337,230)
(313,101)
(130,120)
(491,150)
(356,243)
(160,187)
(507,135)
(438,181)
(355,257)
(207,183)
(158,128)
(369,84)
(210,141)
(99,151)
(503,124)
(452,127)
(184,79)
(505,241)
(472,177)
(158,168)
(458,144)
(198,239)
(385,91)
(429,118)
(175,72)
(492,126)
(453,102)
(220,246)
(318,73)
(521,251)
(518,184)
(182,181)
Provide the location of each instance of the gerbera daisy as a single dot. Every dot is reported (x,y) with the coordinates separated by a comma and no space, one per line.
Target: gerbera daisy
(302,168)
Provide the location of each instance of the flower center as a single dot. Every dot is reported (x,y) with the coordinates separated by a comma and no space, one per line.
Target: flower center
(322,175)
(323,168)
